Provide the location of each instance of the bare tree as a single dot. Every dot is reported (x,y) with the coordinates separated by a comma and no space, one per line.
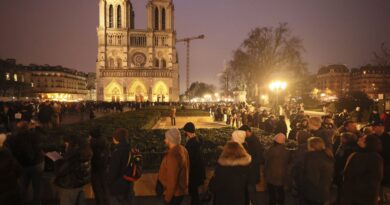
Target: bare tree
(268,51)
(383,57)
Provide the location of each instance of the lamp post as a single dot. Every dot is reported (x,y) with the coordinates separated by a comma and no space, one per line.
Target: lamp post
(277,86)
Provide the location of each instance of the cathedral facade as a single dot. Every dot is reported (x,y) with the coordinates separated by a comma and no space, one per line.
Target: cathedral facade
(134,64)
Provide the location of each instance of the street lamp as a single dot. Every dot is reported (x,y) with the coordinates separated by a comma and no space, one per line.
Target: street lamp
(277,86)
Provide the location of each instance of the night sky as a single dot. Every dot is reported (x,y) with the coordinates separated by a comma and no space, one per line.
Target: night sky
(63,32)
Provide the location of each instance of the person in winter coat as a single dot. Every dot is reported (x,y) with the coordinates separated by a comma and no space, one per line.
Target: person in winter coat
(230,180)
(99,163)
(174,169)
(120,190)
(197,173)
(73,171)
(363,174)
(256,150)
(316,129)
(347,147)
(281,126)
(25,146)
(317,174)
(10,172)
(276,164)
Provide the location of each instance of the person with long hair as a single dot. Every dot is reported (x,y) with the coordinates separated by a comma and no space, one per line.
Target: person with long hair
(317,174)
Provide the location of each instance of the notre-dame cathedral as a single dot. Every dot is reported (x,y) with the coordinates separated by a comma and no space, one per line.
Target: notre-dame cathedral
(134,64)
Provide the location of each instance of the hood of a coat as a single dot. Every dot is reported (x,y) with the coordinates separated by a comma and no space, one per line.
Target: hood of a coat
(235,161)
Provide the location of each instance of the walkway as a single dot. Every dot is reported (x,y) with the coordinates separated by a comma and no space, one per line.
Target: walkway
(200,122)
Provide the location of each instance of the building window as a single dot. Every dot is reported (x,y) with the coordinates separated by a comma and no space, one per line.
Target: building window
(157,63)
(110,16)
(32,85)
(15,77)
(163,19)
(7,77)
(119,61)
(119,17)
(156,19)
(163,63)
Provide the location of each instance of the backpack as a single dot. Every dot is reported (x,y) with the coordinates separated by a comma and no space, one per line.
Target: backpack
(133,171)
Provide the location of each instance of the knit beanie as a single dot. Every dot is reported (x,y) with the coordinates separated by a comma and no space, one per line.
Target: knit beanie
(239,136)
(173,136)
(189,127)
(280,138)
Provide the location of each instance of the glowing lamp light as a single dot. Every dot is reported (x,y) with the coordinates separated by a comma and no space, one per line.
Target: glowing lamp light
(277,85)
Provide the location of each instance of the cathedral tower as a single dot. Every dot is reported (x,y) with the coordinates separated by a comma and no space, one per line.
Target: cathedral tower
(133,64)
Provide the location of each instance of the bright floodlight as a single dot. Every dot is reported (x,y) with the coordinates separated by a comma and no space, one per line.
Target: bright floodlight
(277,85)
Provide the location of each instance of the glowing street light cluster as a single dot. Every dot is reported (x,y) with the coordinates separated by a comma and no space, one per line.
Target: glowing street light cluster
(277,85)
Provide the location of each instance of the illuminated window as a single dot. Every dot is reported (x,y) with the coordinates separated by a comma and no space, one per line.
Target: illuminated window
(163,19)
(156,19)
(15,77)
(7,76)
(119,17)
(111,16)
(32,85)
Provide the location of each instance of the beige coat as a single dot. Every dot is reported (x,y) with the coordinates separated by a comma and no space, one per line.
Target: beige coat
(174,172)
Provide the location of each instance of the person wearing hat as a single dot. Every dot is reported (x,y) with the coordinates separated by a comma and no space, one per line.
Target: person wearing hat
(255,150)
(276,164)
(197,173)
(174,169)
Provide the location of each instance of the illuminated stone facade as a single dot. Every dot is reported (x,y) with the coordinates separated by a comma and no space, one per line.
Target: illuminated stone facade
(43,81)
(132,64)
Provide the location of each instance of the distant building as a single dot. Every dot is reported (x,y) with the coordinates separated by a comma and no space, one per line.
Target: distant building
(44,82)
(338,79)
(137,64)
(375,81)
(333,79)
(14,81)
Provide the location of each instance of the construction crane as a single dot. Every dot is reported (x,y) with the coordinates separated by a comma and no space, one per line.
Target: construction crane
(187,41)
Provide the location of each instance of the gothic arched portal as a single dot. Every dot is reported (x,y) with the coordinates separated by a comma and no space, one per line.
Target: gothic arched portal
(113,92)
(160,92)
(138,92)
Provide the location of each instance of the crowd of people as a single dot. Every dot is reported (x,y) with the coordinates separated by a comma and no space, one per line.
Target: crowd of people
(331,165)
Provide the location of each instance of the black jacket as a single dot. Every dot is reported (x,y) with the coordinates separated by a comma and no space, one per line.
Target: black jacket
(100,155)
(74,170)
(230,181)
(362,178)
(317,176)
(197,167)
(385,139)
(256,150)
(10,171)
(26,148)
(341,157)
(281,127)
(117,167)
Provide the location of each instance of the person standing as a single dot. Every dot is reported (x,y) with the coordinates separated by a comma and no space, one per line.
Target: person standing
(317,174)
(173,116)
(120,190)
(230,180)
(363,174)
(74,171)
(99,162)
(25,146)
(174,169)
(10,172)
(255,149)
(276,164)
(197,173)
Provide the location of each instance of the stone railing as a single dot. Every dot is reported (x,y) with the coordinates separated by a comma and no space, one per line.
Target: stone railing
(155,73)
